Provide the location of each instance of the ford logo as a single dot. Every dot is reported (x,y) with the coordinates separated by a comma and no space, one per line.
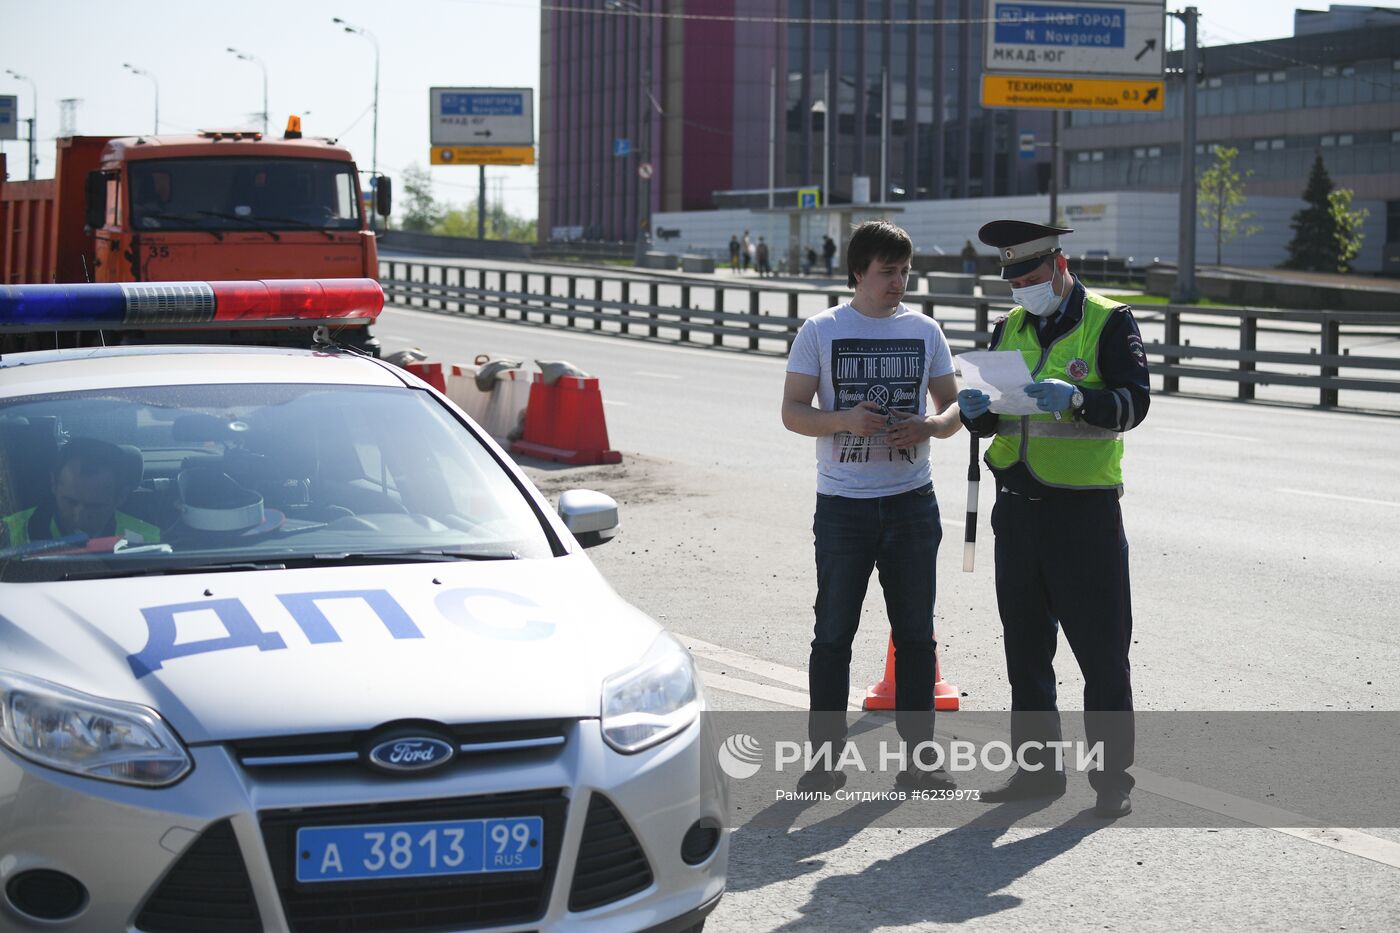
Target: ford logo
(411,753)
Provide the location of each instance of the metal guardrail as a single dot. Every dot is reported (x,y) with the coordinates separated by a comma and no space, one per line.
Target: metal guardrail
(579,300)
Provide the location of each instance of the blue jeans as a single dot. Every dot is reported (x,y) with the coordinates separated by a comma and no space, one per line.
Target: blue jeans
(899,536)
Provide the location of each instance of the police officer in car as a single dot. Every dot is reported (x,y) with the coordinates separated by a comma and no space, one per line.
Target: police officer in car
(1061,554)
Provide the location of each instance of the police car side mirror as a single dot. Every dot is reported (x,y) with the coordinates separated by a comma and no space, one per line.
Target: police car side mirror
(590,516)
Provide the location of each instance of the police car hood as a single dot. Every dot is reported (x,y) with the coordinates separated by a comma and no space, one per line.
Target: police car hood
(278,652)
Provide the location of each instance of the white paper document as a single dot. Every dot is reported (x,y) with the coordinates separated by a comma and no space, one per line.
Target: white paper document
(1003,375)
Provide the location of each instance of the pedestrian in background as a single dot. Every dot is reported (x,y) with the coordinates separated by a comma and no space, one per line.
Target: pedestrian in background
(733,253)
(969,259)
(1061,554)
(763,268)
(746,250)
(872,364)
(828,252)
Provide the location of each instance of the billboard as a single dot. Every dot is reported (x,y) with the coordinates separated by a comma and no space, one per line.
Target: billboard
(9,117)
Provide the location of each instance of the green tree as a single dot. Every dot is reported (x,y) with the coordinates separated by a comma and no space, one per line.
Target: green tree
(500,224)
(1220,200)
(421,212)
(1314,243)
(1348,224)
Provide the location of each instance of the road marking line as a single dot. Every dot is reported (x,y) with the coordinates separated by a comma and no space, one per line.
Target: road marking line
(1264,816)
(728,657)
(1223,437)
(641,372)
(1330,495)
(744,662)
(715,680)
(616,403)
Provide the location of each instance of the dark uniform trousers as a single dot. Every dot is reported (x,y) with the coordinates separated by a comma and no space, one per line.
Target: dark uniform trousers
(1062,560)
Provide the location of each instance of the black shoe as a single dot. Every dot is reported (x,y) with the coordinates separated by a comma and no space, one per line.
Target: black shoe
(821,780)
(1113,803)
(919,779)
(1027,785)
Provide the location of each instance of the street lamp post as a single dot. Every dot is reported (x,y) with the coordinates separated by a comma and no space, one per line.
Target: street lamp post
(1184,291)
(33,119)
(374,144)
(819,106)
(154,83)
(244,56)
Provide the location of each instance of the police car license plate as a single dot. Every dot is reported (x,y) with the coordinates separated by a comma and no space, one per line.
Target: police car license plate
(416,850)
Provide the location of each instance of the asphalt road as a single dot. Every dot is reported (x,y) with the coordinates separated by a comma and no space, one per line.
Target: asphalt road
(1265,576)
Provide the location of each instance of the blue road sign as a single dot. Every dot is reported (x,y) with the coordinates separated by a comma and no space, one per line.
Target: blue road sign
(622,147)
(483,105)
(1076,26)
(9,116)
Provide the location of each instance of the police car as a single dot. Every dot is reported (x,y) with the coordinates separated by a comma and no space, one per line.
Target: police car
(288,643)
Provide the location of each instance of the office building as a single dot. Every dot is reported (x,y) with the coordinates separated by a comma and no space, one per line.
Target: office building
(865,100)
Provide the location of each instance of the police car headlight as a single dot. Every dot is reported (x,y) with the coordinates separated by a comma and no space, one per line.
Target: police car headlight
(84,735)
(653,700)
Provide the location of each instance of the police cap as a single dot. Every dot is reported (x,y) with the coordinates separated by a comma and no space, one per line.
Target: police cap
(1021,246)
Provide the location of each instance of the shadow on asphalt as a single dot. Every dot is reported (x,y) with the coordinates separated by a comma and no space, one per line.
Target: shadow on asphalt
(953,877)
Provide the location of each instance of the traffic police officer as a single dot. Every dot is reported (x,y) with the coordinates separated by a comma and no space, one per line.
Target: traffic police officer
(1061,555)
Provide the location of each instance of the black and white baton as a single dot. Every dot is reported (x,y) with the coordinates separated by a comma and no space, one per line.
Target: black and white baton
(974,475)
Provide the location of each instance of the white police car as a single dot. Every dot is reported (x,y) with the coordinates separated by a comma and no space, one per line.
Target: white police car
(287,643)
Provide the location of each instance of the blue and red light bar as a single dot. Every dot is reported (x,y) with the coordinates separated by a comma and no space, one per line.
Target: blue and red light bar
(162,305)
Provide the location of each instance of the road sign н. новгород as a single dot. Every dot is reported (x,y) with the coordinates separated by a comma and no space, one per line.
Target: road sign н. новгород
(468,116)
(1086,38)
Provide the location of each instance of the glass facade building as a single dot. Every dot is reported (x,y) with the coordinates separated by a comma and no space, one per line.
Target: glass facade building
(876,98)
(1279,102)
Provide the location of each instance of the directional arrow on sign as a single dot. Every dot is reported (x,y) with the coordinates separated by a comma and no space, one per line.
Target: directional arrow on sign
(482,133)
(1147,47)
(1150,96)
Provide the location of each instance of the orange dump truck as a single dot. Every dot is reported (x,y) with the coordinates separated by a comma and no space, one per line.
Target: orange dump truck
(216,205)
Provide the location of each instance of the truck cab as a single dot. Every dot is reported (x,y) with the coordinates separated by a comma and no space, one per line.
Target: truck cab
(216,205)
(227,205)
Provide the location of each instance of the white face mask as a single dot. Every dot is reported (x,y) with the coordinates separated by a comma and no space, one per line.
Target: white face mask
(1039,300)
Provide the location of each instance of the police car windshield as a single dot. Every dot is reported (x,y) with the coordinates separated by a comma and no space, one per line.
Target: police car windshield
(120,481)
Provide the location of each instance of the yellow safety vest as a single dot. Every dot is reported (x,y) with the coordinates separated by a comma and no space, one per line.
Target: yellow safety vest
(1070,454)
(132,529)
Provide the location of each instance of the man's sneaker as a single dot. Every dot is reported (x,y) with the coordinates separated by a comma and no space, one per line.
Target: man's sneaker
(919,779)
(821,780)
(1027,785)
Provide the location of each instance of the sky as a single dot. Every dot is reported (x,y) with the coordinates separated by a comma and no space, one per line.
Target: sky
(76,49)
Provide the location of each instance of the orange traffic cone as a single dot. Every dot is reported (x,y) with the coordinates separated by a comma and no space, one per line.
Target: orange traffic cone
(881,695)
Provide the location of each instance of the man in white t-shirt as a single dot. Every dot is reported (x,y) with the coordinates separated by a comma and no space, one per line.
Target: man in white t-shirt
(872,364)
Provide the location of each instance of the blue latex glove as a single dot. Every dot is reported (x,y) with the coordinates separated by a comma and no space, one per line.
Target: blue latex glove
(1050,394)
(974,403)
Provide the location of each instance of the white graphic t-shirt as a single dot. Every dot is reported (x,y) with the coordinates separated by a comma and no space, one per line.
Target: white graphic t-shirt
(888,361)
